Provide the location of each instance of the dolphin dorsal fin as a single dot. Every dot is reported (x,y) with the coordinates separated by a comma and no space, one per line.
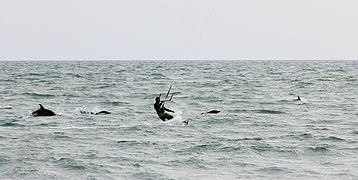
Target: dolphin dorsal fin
(41,107)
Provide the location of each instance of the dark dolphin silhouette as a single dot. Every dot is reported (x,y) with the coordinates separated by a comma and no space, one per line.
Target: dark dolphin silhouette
(212,112)
(102,112)
(298,98)
(42,112)
(97,113)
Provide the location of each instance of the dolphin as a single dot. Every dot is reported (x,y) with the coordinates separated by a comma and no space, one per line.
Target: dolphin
(102,112)
(42,112)
(212,112)
(97,113)
(298,98)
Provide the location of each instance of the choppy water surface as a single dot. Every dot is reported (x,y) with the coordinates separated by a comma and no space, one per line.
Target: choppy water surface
(261,132)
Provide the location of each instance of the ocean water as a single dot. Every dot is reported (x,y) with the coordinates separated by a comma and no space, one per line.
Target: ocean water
(260,133)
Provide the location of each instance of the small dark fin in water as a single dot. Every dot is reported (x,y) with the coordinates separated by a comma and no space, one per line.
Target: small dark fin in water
(41,107)
(298,98)
(185,123)
(103,112)
(212,112)
(85,112)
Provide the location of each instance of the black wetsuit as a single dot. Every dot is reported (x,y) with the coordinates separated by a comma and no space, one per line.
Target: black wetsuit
(158,106)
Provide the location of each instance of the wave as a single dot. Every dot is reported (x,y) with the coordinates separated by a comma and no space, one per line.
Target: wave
(274,169)
(266,111)
(37,94)
(35,74)
(7,80)
(351,79)
(252,139)
(306,135)
(260,147)
(204,147)
(117,103)
(126,141)
(71,164)
(4,159)
(74,75)
(104,86)
(247,139)
(45,124)
(61,136)
(320,148)
(324,79)
(133,142)
(284,101)
(333,138)
(230,149)
(11,123)
(239,111)
(260,111)
(6,107)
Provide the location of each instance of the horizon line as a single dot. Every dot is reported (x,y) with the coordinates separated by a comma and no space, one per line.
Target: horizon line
(5,60)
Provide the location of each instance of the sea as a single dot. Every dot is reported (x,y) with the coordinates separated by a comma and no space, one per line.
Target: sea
(261,132)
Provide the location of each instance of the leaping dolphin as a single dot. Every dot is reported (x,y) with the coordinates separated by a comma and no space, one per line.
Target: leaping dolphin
(42,112)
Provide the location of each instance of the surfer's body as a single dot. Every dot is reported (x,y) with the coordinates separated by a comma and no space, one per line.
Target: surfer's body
(161,110)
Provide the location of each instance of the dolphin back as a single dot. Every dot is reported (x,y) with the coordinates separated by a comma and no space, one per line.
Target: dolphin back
(103,112)
(43,112)
(213,112)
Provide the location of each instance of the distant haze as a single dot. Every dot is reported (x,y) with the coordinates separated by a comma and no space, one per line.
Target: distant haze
(178,29)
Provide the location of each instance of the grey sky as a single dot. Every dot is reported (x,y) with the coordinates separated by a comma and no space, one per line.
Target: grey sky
(178,29)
